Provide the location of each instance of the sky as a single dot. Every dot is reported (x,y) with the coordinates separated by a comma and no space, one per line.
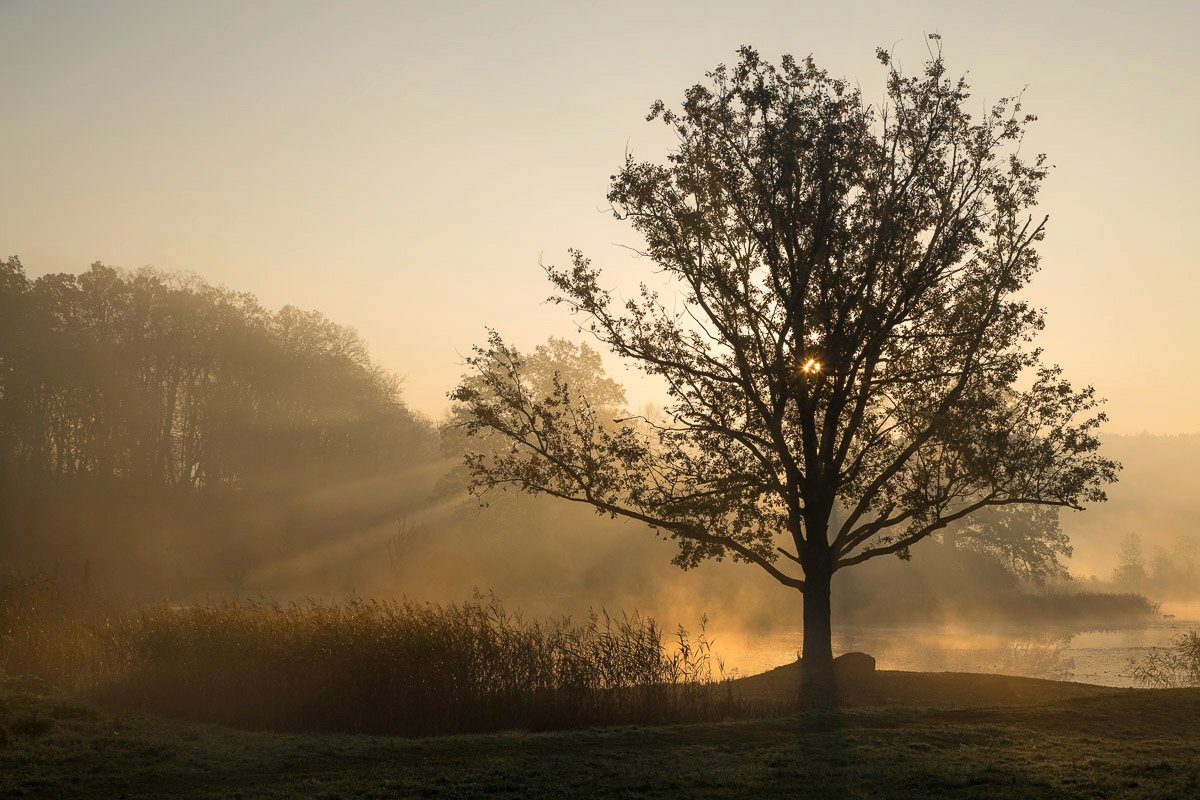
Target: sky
(404,167)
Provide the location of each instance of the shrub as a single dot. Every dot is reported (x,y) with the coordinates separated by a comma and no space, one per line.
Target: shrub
(1178,664)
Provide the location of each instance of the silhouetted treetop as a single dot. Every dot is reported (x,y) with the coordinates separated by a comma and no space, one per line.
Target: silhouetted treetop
(846,332)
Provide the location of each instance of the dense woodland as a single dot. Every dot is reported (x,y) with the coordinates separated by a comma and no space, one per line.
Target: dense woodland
(142,399)
(167,381)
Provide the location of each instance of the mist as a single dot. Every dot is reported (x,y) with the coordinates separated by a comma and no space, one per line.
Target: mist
(167,438)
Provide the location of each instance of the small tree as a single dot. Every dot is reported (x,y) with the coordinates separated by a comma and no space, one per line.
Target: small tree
(1027,539)
(1131,563)
(847,344)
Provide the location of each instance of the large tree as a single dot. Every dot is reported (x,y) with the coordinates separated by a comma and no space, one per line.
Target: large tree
(848,358)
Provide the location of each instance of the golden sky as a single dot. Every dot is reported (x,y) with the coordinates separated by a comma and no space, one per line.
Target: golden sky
(403,166)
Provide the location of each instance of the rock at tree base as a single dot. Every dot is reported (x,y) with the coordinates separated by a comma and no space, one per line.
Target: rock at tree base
(854,667)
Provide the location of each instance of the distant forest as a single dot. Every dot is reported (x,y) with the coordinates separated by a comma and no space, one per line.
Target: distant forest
(140,399)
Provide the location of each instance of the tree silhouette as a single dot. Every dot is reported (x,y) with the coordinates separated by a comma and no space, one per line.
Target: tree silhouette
(1027,540)
(848,360)
(1131,563)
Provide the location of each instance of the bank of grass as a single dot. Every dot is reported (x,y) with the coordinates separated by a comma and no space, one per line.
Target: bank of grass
(1125,743)
(1061,607)
(887,688)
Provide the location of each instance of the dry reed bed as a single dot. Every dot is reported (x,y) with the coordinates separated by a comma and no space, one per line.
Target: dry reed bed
(363,665)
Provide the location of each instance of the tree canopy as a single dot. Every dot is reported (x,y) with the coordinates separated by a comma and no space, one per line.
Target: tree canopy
(846,332)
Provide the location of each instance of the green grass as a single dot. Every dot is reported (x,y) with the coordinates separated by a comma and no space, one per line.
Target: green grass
(1134,743)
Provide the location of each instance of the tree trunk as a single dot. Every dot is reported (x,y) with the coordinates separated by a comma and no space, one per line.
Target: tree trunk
(817,685)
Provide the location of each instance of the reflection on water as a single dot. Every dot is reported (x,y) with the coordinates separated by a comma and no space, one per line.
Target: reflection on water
(1100,657)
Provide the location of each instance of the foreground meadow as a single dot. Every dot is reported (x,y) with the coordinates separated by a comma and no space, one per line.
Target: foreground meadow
(363,699)
(1132,743)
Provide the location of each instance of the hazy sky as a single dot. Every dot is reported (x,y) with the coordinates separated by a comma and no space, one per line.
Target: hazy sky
(403,166)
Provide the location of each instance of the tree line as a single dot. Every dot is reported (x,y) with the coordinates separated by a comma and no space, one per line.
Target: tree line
(168,381)
(126,394)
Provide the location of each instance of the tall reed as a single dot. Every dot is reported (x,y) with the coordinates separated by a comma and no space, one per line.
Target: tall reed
(374,666)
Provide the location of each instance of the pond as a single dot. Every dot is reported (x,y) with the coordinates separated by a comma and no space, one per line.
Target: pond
(1089,656)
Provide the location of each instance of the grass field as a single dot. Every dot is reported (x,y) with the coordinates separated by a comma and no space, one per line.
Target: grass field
(1049,741)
